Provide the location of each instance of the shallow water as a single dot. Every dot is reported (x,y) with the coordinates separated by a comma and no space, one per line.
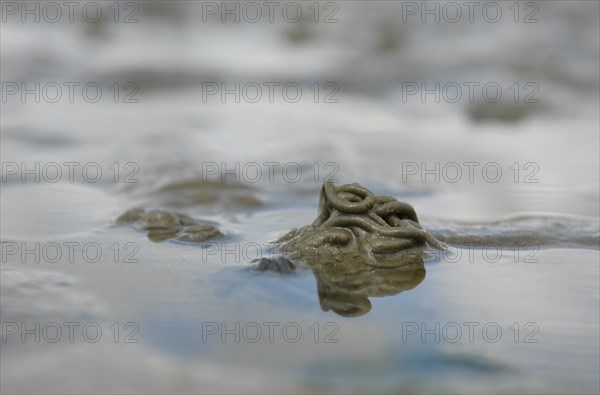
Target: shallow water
(511,307)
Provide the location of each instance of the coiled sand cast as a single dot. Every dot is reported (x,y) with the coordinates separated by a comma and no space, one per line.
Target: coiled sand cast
(360,245)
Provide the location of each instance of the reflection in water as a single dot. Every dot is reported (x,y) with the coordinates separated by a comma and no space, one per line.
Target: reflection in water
(360,245)
(346,289)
